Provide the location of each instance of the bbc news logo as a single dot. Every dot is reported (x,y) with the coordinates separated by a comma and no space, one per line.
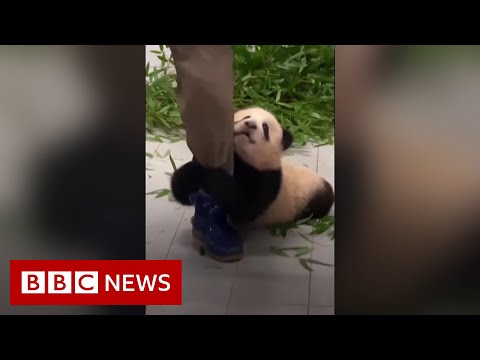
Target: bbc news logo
(86,282)
(96,282)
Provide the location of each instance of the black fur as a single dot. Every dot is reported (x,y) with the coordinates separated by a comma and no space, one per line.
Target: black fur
(287,139)
(320,204)
(186,180)
(266,132)
(247,194)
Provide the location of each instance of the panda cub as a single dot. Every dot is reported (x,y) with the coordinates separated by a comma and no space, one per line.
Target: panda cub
(266,189)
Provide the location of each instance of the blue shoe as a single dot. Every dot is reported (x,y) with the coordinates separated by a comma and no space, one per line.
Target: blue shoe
(210,226)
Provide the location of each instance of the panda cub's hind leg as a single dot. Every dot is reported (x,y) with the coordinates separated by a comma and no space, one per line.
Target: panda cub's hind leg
(320,203)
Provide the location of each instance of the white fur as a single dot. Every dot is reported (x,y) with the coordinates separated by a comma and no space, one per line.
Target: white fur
(299,183)
(263,155)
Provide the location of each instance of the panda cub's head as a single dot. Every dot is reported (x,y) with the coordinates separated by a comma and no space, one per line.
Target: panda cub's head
(259,139)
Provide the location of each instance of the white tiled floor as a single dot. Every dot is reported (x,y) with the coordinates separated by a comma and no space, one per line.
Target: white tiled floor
(262,283)
(152,57)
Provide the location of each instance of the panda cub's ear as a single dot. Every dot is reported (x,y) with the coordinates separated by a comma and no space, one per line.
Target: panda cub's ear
(287,139)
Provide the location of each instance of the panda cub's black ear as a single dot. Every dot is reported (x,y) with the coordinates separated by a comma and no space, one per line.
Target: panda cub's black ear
(287,139)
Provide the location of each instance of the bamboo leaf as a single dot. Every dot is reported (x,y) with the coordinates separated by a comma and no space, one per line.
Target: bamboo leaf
(313,261)
(164,155)
(277,251)
(305,264)
(159,192)
(304,251)
(304,221)
(162,193)
(296,82)
(308,239)
(172,162)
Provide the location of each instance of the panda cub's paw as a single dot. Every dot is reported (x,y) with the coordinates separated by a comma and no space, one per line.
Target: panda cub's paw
(186,180)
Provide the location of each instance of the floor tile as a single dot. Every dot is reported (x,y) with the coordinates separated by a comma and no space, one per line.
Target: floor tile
(268,310)
(305,155)
(322,310)
(162,220)
(326,163)
(322,290)
(207,283)
(266,279)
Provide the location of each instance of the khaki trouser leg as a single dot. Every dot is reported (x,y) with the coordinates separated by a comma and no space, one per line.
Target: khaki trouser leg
(205,95)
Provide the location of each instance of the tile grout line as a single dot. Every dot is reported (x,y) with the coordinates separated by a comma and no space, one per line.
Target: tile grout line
(175,234)
(311,254)
(231,288)
(146,186)
(183,213)
(151,158)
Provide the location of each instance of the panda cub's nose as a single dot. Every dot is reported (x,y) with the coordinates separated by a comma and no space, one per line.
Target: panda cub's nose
(250,125)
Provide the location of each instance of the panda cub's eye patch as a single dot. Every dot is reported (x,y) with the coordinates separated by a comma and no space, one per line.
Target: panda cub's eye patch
(266,131)
(245,118)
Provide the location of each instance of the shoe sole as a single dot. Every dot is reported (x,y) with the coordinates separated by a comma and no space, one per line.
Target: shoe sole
(226,259)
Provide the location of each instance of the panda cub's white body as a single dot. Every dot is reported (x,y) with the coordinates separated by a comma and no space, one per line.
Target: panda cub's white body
(302,192)
(299,184)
